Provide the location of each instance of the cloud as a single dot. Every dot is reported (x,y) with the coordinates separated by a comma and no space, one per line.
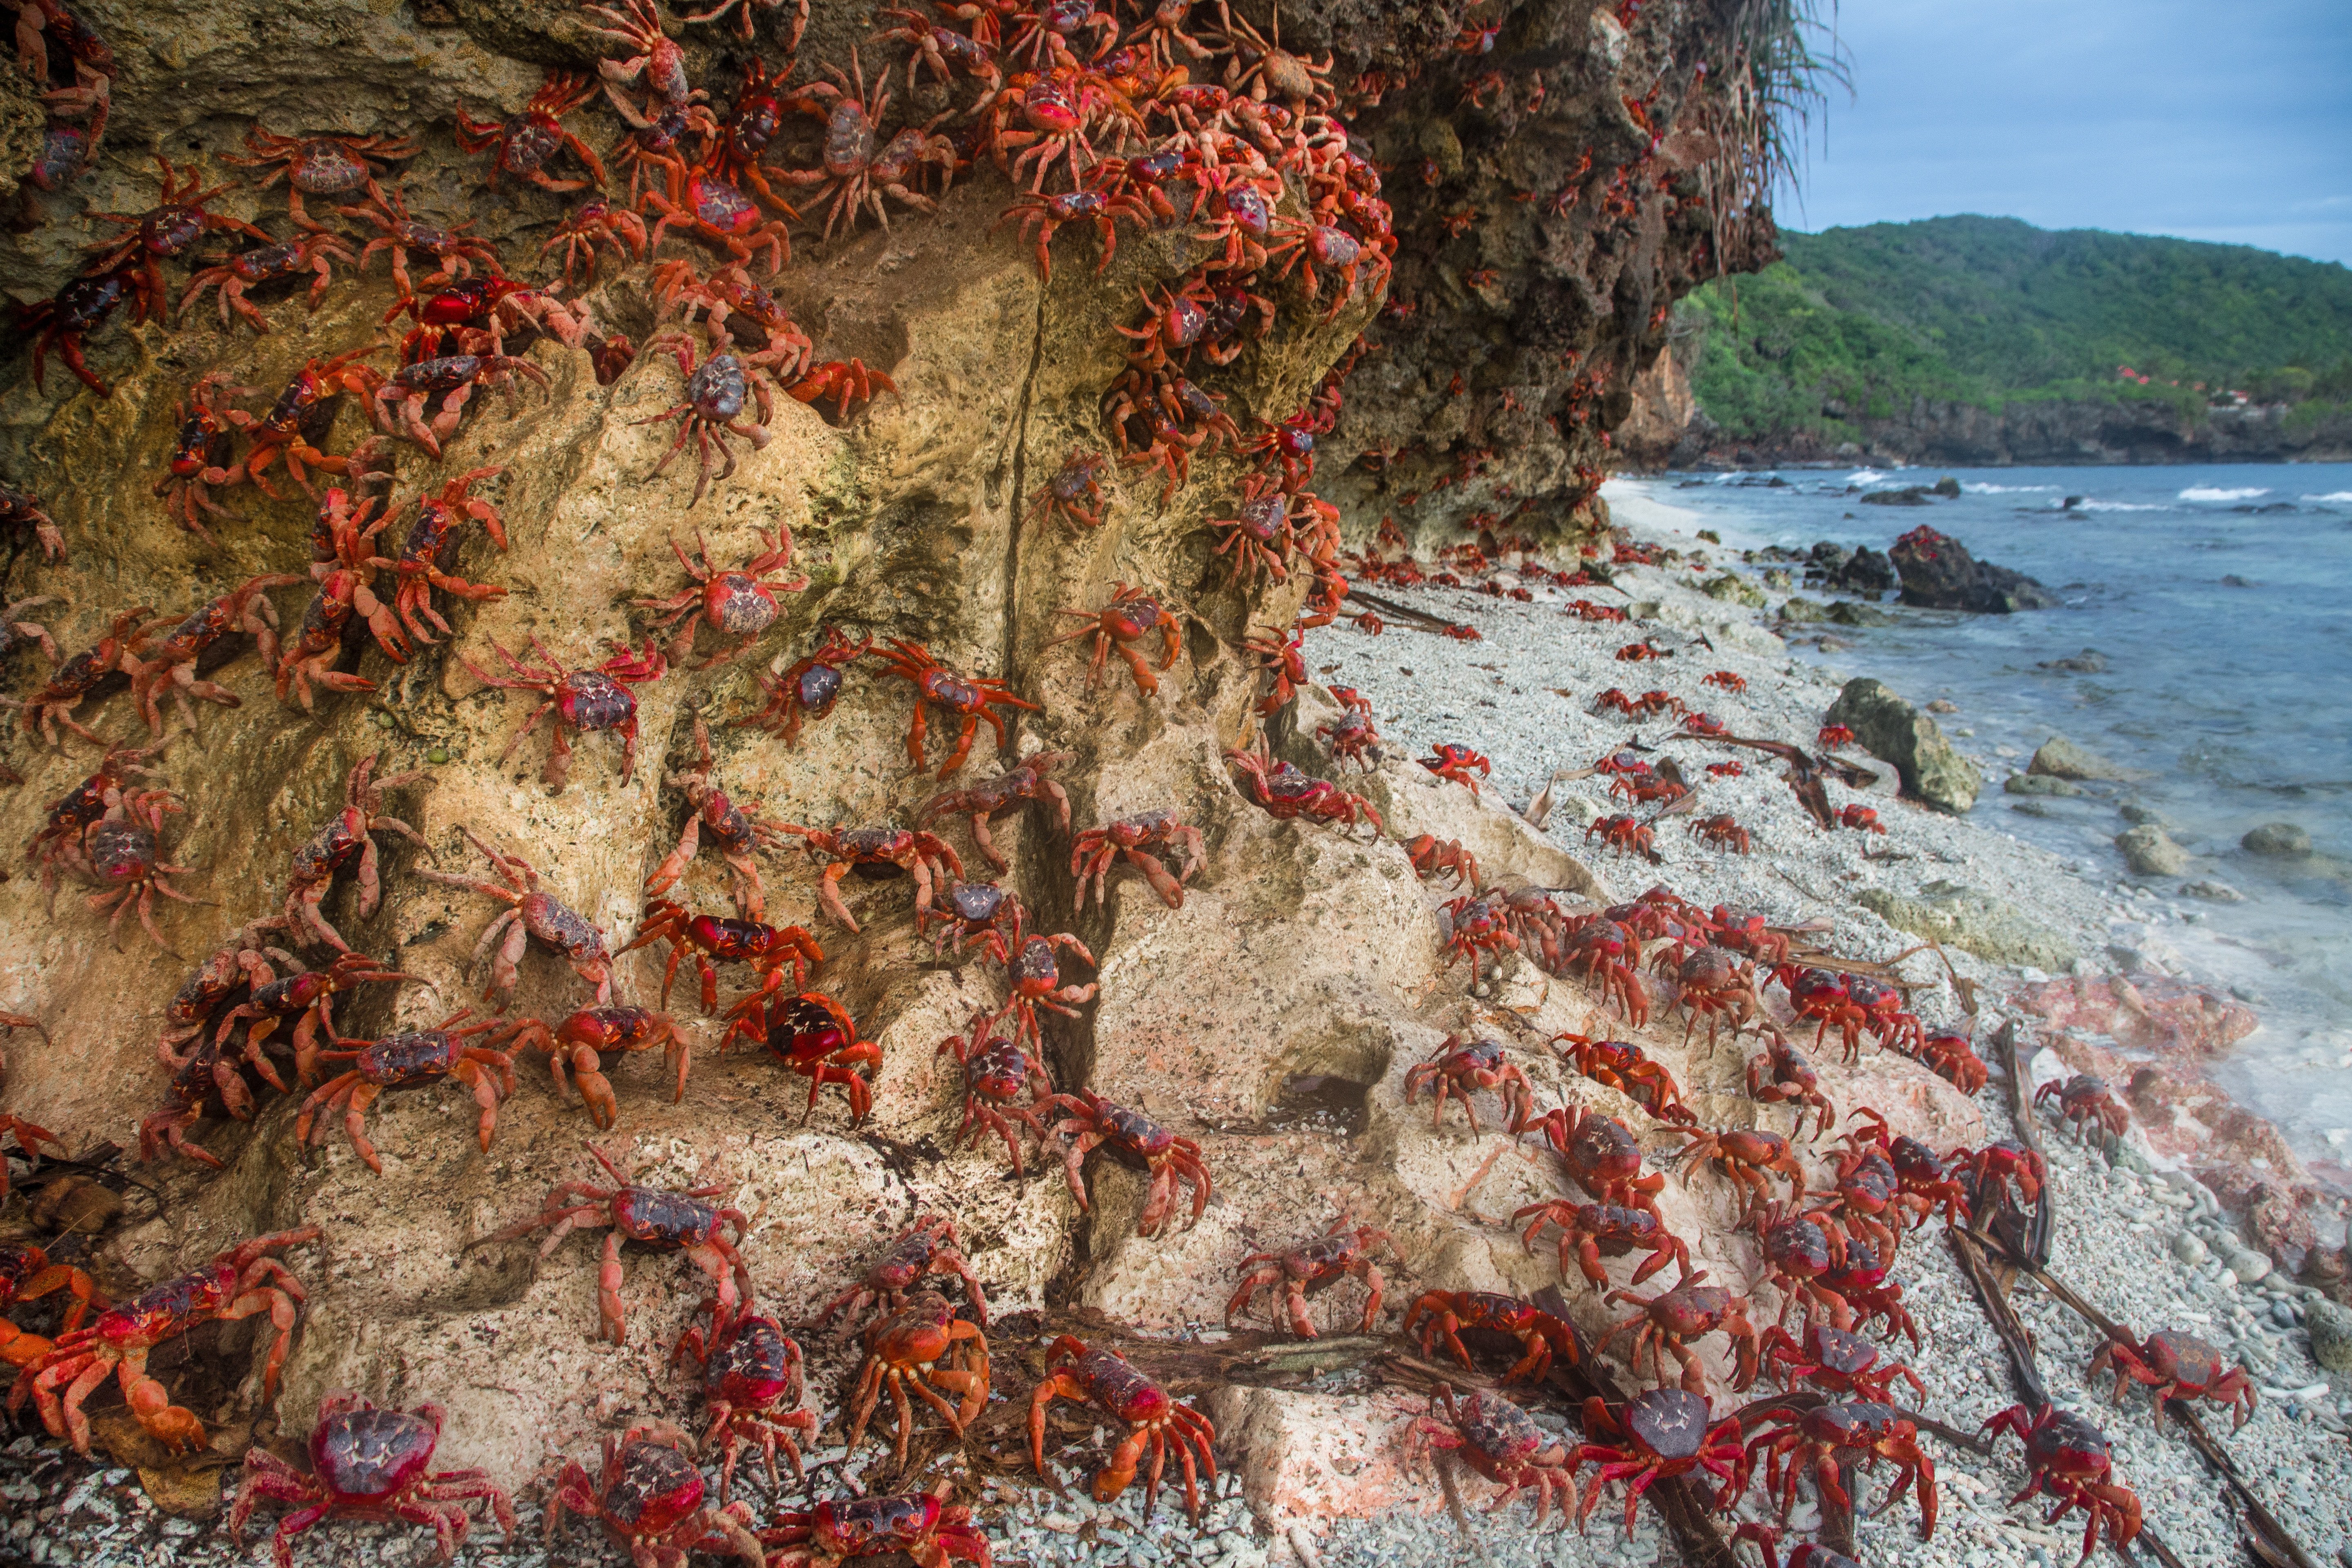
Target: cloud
(2148,116)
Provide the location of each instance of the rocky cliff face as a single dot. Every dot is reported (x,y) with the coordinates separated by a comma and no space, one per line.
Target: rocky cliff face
(1494,361)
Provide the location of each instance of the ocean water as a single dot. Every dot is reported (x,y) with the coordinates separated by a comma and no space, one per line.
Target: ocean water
(2221,598)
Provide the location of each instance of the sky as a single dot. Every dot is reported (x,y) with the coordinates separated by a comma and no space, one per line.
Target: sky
(2228,122)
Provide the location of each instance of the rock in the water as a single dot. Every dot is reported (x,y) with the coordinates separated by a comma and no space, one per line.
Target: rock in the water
(1972,922)
(1939,573)
(1801,610)
(1947,487)
(1864,571)
(1846,613)
(2213,893)
(2150,1012)
(1890,729)
(2061,758)
(2090,661)
(2131,810)
(2330,1327)
(1732,588)
(2151,851)
(1912,495)
(2281,838)
(1943,705)
(2039,783)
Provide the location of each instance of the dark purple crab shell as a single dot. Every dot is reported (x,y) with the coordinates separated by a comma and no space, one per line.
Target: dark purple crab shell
(1478,1056)
(265,263)
(1245,205)
(1672,1423)
(849,139)
(1841,1352)
(870,1526)
(665,1221)
(1798,1247)
(816,689)
(976,903)
(1034,965)
(1500,1429)
(552,922)
(410,1060)
(445,372)
(531,139)
(365,1455)
(325,169)
(64,150)
(723,206)
(1859,1422)
(591,700)
(739,604)
(122,851)
(1262,519)
(649,1488)
(756,1365)
(1134,1138)
(716,390)
(169,230)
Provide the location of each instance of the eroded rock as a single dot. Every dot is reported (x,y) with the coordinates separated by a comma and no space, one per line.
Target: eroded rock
(1890,729)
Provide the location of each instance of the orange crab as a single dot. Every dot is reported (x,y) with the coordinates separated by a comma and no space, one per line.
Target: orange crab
(968,698)
(1130,617)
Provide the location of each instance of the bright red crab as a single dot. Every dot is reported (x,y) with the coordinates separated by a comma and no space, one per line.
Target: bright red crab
(431,548)
(75,680)
(2084,1099)
(452,378)
(29,1138)
(649,1498)
(1136,1142)
(1861,817)
(1155,1422)
(1031,977)
(371,1465)
(1825,994)
(582,699)
(1042,215)
(174,223)
(740,603)
(2069,1459)
(1624,834)
(751,1383)
(530,916)
(715,210)
(1748,1156)
(320,165)
(843,380)
(1627,1068)
(871,851)
(525,143)
(766,948)
(592,228)
(1074,484)
(1433,857)
(1029,781)
(409,1061)
(1457,1068)
(997,1073)
(1782,1076)
(265,264)
(1132,616)
(920,1525)
(122,854)
(26,1274)
(1590,1232)
(925,1347)
(814,1036)
(1502,1443)
(968,698)
(648,1217)
(2176,1366)
(345,579)
(852,171)
(1131,839)
(168,664)
(1541,1337)
(1690,1310)
(399,232)
(345,842)
(1823,1441)
(927,1249)
(1456,763)
(1597,1153)
(308,997)
(1715,984)
(299,418)
(1312,1266)
(244,1281)
(1283,793)
(809,686)
(583,1040)
(1284,658)
(1652,1437)
(1473,926)
(1951,1058)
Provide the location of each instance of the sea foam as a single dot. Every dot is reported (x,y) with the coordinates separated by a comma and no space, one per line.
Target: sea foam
(2209,492)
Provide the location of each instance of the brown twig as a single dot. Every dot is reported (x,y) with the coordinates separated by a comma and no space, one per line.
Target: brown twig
(2021,1114)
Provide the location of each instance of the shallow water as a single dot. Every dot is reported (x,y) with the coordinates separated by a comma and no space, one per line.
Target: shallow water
(2220,598)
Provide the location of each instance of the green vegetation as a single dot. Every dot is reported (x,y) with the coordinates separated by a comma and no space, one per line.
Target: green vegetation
(1859,322)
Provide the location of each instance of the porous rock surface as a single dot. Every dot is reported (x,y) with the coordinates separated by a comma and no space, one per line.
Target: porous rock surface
(1300,951)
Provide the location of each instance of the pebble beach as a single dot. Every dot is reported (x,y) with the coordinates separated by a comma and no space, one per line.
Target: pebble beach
(2145,1243)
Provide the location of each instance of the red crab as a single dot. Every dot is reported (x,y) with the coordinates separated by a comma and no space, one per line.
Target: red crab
(649,1497)
(930,861)
(431,546)
(525,143)
(1714,982)
(371,1465)
(170,664)
(1074,484)
(26,1274)
(2178,1366)
(983,912)
(346,838)
(1314,1266)
(1690,1310)
(68,318)
(308,997)
(1624,834)
(582,1041)
(1950,1058)
(659,63)
(1999,1168)
(530,915)
(1338,252)
(1457,1068)
(174,223)
(1590,1232)
(57,844)
(1284,792)
(716,211)
(1597,1153)
(1043,215)
(927,1249)
(122,854)
(1131,616)
(244,1281)
(320,165)
(596,225)
(920,1525)
(75,680)
(264,264)
(712,410)
(1030,974)
(649,1216)
(968,698)
(2085,1099)
(409,1061)
(1136,1142)
(766,948)
(750,1381)
(478,316)
(2068,1459)
(1093,853)
(997,1072)
(1476,926)
(1653,1436)
(1155,1422)
(735,832)
(400,232)
(1724,679)
(1501,1442)
(303,412)
(1825,994)
(345,576)
(809,686)
(1748,1156)
(582,699)
(852,171)
(1284,657)
(1435,856)
(1782,1076)
(1456,762)
(814,1036)
(1822,1441)
(452,378)
(925,1347)
(1834,1360)
(20,513)
(843,380)
(1861,817)
(739,603)
(1604,952)
(1541,1336)
(1624,1067)
(29,1138)
(1008,789)
(1723,832)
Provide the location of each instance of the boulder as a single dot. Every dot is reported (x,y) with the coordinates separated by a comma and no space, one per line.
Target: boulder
(2039,783)
(2061,758)
(1802,611)
(1864,571)
(2213,893)
(2090,661)
(1911,495)
(1732,588)
(2284,839)
(2148,1012)
(1939,573)
(1948,487)
(1890,729)
(2150,851)
(2329,1324)
(1973,921)
(1846,613)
